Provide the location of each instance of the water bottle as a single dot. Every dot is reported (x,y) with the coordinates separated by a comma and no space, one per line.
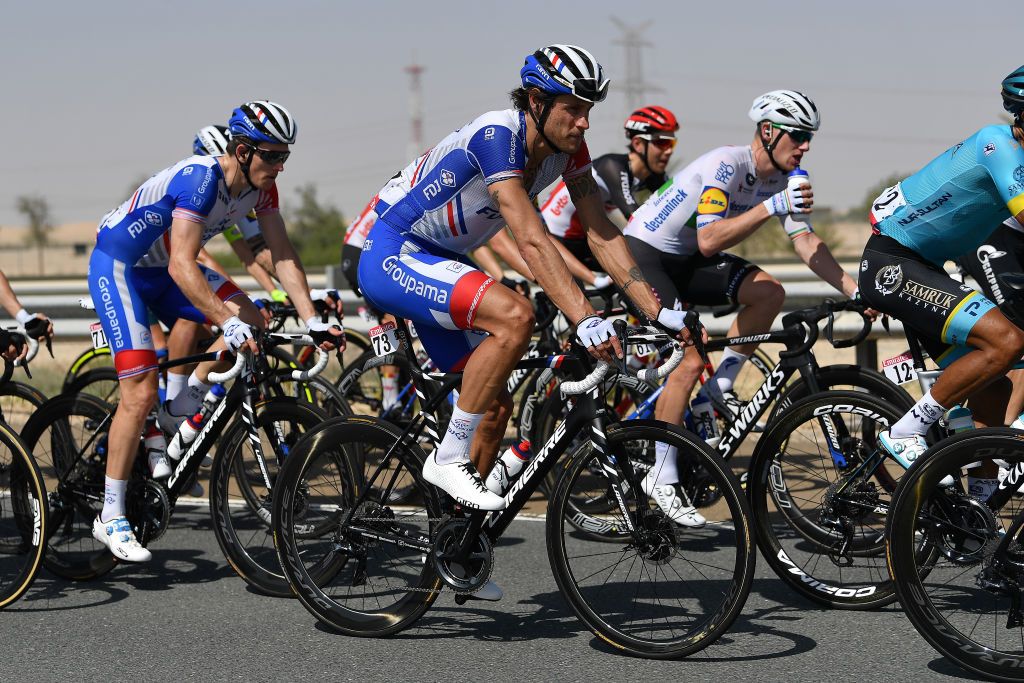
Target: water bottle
(185,436)
(959,419)
(798,177)
(704,419)
(508,467)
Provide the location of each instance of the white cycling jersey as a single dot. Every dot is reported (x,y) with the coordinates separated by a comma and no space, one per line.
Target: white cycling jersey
(719,184)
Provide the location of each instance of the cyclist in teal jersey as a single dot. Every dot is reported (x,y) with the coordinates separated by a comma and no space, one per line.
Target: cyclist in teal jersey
(944,211)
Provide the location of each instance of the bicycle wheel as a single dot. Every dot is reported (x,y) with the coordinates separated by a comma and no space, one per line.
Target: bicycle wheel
(663,591)
(964,598)
(23,518)
(315,391)
(362,570)
(820,489)
(18,402)
(845,378)
(100,382)
(363,390)
(89,357)
(68,439)
(240,504)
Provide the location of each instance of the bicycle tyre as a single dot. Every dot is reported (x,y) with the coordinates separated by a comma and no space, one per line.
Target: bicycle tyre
(313,562)
(23,517)
(99,382)
(795,495)
(88,357)
(840,377)
(945,599)
(19,402)
(63,427)
(655,543)
(244,537)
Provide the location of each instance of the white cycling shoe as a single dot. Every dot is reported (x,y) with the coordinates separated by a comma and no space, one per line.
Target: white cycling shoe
(118,536)
(674,502)
(907,450)
(461,481)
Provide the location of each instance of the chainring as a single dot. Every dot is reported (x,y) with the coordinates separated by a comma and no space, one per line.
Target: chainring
(463,579)
(148,509)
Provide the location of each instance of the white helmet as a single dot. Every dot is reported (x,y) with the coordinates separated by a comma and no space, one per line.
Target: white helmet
(211,140)
(787,109)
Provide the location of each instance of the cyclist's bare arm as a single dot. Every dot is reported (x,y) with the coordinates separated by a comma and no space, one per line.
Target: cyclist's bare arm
(7,297)
(536,249)
(286,264)
(248,259)
(488,262)
(728,232)
(186,240)
(816,254)
(504,246)
(609,246)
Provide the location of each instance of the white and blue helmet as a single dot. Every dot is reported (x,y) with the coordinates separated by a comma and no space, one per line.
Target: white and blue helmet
(263,121)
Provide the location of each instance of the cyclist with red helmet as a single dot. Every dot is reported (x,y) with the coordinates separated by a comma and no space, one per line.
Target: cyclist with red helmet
(625,180)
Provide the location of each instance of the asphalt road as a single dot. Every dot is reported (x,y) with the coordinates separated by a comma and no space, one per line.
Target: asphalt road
(186,616)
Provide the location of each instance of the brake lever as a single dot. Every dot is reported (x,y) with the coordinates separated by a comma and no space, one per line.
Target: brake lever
(692,323)
(620,332)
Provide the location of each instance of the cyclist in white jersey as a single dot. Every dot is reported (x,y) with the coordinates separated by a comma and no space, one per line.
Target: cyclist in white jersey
(679,236)
(195,199)
(457,196)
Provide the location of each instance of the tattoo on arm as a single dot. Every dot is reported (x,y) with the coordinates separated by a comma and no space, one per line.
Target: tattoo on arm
(581,187)
(635,275)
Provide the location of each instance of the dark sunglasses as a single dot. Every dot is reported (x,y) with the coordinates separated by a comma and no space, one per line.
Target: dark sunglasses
(796,135)
(270,156)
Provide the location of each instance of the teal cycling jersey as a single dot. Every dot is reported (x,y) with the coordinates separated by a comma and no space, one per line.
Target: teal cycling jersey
(951,205)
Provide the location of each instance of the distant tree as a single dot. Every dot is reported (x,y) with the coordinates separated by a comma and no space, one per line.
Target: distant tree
(316,229)
(771,240)
(40,223)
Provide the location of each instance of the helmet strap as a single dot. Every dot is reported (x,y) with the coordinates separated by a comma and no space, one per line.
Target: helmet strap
(770,147)
(643,157)
(541,120)
(244,165)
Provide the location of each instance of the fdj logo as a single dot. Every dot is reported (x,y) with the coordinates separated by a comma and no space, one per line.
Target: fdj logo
(447,178)
(489,213)
(432,190)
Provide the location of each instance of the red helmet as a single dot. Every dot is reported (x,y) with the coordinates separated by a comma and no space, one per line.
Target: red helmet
(651,120)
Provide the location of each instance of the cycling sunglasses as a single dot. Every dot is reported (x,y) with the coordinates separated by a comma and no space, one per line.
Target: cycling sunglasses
(661,143)
(797,135)
(270,156)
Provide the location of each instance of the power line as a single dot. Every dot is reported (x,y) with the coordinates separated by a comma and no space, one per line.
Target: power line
(635,88)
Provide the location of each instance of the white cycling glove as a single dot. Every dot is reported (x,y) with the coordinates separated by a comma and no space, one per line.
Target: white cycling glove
(593,330)
(23,316)
(322,294)
(788,201)
(236,333)
(601,281)
(673,320)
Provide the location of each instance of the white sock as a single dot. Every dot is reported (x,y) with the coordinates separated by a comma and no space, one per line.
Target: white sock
(113,498)
(455,445)
(389,385)
(188,401)
(919,420)
(728,368)
(664,471)
(175,383)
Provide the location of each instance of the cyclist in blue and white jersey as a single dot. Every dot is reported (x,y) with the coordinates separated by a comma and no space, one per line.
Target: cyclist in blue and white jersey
(679,237)
(454,198)
(194,200)
(942,212)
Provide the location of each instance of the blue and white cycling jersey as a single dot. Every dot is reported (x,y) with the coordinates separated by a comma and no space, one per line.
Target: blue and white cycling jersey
(950,206)
(441,198)
(193,189)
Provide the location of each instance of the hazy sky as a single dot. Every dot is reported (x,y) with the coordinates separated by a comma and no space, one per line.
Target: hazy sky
(98,95)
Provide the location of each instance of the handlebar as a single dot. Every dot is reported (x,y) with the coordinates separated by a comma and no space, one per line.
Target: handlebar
(808,319)
(630,335)
(233,372)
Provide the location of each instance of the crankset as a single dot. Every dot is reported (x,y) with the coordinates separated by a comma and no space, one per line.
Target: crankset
(961,528)
(465,575)
(148,508)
